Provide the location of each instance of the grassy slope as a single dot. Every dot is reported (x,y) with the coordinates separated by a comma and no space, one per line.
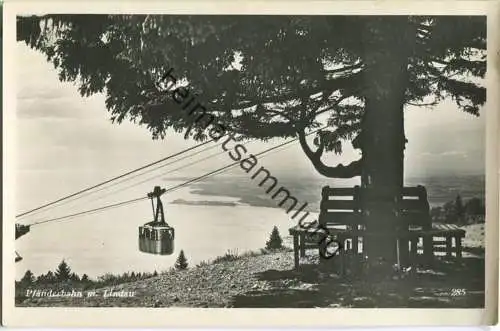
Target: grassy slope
(269,281)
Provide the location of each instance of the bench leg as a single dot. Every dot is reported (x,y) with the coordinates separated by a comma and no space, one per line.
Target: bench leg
(428,250)
(347,245)
(449,248)
(458,244)
(296,251)
(404,252)
(355,245)
(342,256)
(414,249)
(302,244)
(322,250)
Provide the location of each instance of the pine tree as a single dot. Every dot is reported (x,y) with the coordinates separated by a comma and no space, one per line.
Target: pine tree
(41,279)
(28,278)
(275,241)
(85,278)
(63,271)
(51,277)
(181,262)
(475,206)
(74,277)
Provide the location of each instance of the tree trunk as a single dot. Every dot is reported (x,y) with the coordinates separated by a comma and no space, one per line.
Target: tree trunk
(386,60)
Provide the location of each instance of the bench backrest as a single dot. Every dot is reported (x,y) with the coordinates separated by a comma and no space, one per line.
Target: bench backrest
(340,206)
(414,207)
(343,206)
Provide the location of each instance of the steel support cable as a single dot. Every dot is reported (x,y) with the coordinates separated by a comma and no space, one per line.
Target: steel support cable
(221,170)
(165,173)
(119,204)
(111,179)
(171,189)
(123,180)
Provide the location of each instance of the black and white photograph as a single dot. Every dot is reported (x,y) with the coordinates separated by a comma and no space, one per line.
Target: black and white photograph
(186,159)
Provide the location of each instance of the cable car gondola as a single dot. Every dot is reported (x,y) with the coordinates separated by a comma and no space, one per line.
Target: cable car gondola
(157,237)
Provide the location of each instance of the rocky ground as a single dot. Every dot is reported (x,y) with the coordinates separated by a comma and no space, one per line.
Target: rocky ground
(269,281)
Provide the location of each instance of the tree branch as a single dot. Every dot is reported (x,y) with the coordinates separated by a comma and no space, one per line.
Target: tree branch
(337,102)
(340,171)
(332,72)
(422,104)
(278,113)
(328,86)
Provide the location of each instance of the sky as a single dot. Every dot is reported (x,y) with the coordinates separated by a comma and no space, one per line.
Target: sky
(67,142)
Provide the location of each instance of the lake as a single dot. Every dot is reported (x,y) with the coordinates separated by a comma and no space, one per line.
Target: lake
(220,214)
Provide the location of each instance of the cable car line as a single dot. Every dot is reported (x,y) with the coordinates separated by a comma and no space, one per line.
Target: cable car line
(90,211)
(165,173)
(171,189)
(220,170)
(117,177)
(123,180)
(112,179)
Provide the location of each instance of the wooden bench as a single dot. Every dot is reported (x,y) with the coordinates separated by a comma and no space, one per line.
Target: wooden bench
(416,225)
(341,215)
(451,243)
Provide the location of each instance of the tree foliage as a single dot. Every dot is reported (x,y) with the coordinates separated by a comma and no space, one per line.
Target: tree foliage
(49,277)
(275,241)
(63,271)
(456,212)
(475,206)
(263,76)
(181,262)
(28,278)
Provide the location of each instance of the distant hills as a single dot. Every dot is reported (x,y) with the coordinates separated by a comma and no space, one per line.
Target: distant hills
(308,188)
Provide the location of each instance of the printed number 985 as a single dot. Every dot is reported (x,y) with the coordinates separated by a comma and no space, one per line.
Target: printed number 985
(455,292)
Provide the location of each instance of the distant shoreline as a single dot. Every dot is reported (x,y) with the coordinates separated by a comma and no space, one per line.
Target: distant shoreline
(440,189)
(203,203)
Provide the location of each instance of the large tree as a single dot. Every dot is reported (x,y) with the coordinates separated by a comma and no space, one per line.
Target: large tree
(279,76)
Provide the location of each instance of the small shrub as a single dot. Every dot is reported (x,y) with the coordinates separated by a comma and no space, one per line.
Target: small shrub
(229,256)
(181,263)
(203,263)
(275,241)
